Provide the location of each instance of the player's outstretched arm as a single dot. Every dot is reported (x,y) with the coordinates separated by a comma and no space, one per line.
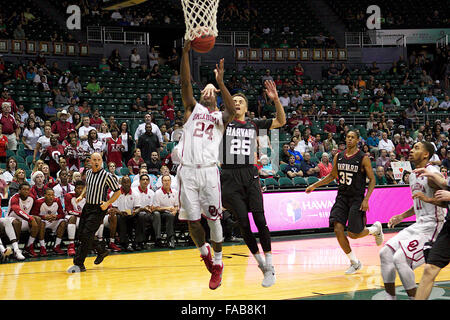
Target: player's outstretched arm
(434,201)
(230,108)
(330,177)
(272,93)
(187,94)
(369,172)
(435,180)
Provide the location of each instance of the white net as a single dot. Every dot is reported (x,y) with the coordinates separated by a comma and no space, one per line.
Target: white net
(200,17)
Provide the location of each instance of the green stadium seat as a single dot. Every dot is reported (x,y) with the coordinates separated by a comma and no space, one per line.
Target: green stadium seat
(311,180)
(271,183)
(300,182)
(285,182)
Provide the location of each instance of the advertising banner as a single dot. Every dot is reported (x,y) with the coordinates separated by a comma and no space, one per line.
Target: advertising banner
(413,36)
(297,210)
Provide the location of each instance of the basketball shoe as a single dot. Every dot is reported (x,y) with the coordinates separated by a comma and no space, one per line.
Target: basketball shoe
(43,252)
(216,276)
(354,267)
(30,251)
(57,250)
(208,259)
(75,269)
(71,249)
(114,247)
(379,236)
(269,275)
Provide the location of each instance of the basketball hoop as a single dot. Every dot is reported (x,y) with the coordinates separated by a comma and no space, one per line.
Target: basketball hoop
(200,17)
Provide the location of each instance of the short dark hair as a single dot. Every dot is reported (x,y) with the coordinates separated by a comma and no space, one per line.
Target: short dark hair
(240,94)
(79,183)
(24,184)
(429,147)
(354,131)
(144,175)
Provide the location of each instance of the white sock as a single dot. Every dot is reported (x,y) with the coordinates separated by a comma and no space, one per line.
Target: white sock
(71,230)
(260,259)
(42,243)
(204,249)
(111,240)
(57,242)
(372,229)
(30,241)
(2,248)
(268,259)
(352,257)
(15,246)
(389,297)
(217,257)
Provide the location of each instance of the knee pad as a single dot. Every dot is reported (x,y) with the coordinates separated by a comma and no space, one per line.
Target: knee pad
(215,230)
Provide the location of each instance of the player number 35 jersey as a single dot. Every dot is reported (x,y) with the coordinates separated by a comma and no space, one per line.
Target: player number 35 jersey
(202,134)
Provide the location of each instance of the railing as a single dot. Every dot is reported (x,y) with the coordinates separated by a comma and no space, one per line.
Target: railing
(116,35)
(232,38)
(442,42)
(372,39)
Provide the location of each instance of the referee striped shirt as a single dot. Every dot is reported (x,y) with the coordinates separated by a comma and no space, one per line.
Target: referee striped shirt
(97,184)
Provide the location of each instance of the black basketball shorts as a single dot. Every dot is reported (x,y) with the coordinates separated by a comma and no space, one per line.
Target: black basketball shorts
(346,209)
(241,190)
(439,254)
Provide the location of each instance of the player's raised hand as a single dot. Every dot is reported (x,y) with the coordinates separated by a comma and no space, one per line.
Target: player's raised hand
(187,46)
(209,90)
(271,89)
(422,172)
(220,70)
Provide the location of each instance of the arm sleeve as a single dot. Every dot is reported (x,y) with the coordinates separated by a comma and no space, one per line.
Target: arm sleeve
(35,211)
(60,214)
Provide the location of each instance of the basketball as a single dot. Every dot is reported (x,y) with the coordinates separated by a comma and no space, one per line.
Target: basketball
(203,43)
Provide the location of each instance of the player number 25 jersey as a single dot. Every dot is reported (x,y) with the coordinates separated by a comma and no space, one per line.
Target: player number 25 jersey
(202,134)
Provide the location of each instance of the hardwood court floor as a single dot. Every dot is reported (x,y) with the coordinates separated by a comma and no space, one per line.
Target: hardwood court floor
(305,268)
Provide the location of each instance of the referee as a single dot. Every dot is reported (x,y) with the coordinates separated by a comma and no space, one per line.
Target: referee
(97,183)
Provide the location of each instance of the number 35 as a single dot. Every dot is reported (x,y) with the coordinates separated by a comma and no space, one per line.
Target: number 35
(346,178)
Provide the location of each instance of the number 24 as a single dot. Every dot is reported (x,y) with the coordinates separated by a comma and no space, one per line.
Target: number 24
(199,131)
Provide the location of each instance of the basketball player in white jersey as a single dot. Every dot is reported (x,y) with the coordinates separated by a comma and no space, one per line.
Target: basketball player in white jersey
(198,175)
(405,252)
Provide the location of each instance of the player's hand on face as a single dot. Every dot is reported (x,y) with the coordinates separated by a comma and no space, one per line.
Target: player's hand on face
(442,195)
(271,89)
(219,71)
(364,205)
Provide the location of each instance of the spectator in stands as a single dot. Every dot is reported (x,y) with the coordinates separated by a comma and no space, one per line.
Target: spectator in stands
(19,73)
(332,71)
(60,97)
(265,169)
(94,87)
(114,148)
(9,126)
(386,143)
(431,100)
(304,145)
(174,59)
(84,130)
(298,156)
(316,95)
(11,167)
(425,78)
(6,97)
(103,65)
(3,145)
(292,169)
(308,167)
(30,137)
(374,70)
(135,162)
(377,107)
(284,154)
(298,69)
(325,166)
(285,99)
(64,79)
(344,72)
(18,179)
(154,165)
(141,128)
(340,129)
(153,58)
(115,61)
(139,105)
(306,96)
(127,140)
(411,114)
(175,79)
(135,59)
(403,148)
(149,103)
(266,76)
(31,73)
(155,73)
(341,89)
(329,143)
(330,126)
(445,105)
(353,107)
(380,178)
(62,127)
(383,158)
(75,86)
(334,109)
(446,125)
(148,142)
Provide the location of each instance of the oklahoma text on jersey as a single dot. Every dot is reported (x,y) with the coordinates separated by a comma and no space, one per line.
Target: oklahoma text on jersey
(207,117)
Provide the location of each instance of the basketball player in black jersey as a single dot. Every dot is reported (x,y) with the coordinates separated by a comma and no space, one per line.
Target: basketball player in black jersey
(241,188)
(351,167)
